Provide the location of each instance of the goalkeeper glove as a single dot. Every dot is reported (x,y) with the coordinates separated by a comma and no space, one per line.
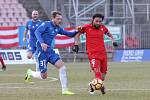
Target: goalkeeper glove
(75,48)
(115,44)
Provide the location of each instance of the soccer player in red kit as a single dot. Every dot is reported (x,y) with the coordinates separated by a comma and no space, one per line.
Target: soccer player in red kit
(95,47)
(3,64)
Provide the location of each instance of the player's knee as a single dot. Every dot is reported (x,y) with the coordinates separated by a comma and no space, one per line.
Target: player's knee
(59,64)
(29,55)
(44,75)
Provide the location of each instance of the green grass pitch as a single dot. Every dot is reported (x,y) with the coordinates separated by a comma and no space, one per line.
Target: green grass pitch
(124,81)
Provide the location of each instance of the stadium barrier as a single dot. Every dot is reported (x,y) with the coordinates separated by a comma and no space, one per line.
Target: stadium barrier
(139,55)
(17,57)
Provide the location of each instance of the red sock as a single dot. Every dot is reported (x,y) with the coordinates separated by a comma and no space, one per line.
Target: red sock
(1,60)
(95,66)
(98,74)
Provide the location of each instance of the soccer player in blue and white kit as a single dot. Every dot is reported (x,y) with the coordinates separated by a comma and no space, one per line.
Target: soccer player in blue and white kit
(45,33)
(31,26)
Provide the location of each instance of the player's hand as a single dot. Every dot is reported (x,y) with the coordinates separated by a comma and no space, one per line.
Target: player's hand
(44,46)
(78,28)
(115,44)
(75,48)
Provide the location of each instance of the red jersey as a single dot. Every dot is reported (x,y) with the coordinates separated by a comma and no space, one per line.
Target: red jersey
(95,39)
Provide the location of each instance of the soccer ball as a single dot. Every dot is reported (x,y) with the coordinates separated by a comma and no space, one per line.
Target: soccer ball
(96,83)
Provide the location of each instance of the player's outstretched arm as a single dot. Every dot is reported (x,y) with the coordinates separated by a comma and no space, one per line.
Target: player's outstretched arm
(68,33)
(115,44)
(75,48)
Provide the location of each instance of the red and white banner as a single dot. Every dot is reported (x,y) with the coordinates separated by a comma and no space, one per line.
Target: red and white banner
(17,56)
(9,37)
(62,41)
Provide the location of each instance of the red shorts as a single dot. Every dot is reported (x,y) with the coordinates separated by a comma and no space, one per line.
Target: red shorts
(98,62)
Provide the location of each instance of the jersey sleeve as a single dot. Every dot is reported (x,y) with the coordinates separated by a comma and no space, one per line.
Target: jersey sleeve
(39,31)
(83,29)
(106,31)
(67,33)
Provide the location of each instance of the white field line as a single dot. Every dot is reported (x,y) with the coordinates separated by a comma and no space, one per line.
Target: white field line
(40,88)
(15,75)
(52,79)
(131,89)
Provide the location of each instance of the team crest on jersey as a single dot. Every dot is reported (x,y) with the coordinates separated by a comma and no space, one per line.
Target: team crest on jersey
(43,24)
(36,25)
(33,27)
(101,29)
(56,30)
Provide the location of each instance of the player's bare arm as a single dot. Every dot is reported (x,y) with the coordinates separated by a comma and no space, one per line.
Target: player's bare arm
(25,35)
(77,39)
(115,44)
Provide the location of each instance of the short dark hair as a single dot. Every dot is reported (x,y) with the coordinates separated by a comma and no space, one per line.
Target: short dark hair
(98,15)
(54,13)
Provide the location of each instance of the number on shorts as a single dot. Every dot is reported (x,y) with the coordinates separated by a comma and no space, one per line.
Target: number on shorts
(42,62)
(93,62)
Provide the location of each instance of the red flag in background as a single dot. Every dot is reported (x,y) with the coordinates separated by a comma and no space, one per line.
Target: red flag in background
(9,37)
(62,41)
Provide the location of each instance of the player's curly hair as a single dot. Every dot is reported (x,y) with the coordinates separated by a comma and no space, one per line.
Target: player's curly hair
(98,15)
(54,13)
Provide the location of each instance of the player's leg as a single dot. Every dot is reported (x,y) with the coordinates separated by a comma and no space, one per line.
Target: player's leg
(104,67)
(94,64)
(104,72)
(42,74)
(29,54)
(31,49)
(42,63)
(30,73)
(63,77)
(36,59)
(3,64)
(56,61)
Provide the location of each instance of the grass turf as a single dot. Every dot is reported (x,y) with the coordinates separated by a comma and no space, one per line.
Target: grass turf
(124,81)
